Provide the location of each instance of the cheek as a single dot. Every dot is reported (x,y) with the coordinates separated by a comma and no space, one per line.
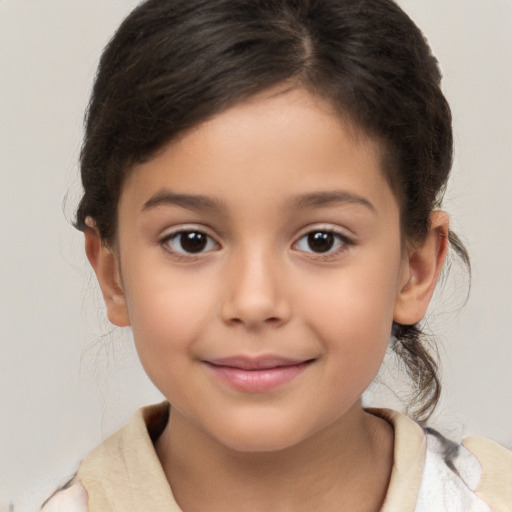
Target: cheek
(167,312)
(352,313)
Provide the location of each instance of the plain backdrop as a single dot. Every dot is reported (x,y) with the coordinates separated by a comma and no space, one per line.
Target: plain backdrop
(67,379)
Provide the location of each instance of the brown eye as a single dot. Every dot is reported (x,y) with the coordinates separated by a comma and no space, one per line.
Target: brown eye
(193,241)
(319,242)
(190,242)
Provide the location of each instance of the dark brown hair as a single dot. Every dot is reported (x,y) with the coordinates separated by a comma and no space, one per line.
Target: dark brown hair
(175,63)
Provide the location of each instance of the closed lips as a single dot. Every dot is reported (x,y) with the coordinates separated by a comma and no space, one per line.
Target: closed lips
(251,364)
(257,375)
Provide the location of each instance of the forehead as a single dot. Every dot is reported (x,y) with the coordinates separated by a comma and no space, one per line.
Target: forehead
(280,143)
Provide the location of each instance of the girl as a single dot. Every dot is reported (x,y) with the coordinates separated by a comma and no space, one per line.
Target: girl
(262,190)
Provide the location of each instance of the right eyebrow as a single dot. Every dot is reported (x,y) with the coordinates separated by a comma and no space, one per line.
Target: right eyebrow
(188,201)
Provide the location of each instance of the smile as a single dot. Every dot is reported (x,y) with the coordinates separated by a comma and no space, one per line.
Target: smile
(257,375)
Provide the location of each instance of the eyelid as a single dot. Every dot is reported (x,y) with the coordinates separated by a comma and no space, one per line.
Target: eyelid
(328,228)
(180,228)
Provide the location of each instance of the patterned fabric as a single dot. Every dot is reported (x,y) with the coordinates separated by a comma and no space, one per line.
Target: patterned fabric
(442,488)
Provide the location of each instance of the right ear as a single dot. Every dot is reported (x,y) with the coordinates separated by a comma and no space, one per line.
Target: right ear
(106,266)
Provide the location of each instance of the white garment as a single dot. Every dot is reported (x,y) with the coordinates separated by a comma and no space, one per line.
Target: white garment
(441,489)
(73,499)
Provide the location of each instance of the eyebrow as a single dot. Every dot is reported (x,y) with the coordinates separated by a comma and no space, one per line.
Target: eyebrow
(305,201)
(188,201)
(328,198)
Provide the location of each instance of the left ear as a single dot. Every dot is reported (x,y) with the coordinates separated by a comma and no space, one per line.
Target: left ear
(421,269)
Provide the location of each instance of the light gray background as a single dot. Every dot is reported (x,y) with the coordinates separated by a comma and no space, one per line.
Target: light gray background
(65,382)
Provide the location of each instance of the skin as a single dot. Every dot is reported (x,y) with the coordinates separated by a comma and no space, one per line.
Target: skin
(259,289)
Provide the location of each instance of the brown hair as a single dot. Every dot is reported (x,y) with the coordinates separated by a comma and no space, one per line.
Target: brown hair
(174,63)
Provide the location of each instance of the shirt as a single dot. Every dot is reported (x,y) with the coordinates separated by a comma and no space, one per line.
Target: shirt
(429,474)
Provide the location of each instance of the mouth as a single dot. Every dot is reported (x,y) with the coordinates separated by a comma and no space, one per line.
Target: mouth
(258,374)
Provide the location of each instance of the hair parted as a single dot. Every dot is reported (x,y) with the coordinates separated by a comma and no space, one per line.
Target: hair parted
(174,63)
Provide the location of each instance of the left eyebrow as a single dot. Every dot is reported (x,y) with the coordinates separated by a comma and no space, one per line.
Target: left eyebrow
(328,198)
(188,201)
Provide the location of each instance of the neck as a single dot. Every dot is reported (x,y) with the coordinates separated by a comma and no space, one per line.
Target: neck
(345,466)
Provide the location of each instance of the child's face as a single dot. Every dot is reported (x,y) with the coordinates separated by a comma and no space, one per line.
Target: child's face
(291,255)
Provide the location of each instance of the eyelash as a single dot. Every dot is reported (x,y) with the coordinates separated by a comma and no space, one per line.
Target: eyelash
(341,240)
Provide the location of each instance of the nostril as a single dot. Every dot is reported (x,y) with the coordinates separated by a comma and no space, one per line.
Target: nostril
(268,321)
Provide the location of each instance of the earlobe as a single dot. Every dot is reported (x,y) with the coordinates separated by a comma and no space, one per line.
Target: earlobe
(105,265)
(421,271)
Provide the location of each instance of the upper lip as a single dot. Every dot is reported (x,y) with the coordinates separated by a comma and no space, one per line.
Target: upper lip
(256,363)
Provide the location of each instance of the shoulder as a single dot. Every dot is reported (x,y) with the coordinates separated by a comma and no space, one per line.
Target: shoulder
(473,476)
(495,484)
(72,499)
(437,474)
(114,475)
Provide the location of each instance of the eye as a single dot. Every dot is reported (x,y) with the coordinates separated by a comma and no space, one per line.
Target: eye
(321,241)
(190,242)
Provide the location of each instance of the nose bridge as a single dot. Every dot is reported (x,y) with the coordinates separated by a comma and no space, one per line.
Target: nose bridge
(255,291)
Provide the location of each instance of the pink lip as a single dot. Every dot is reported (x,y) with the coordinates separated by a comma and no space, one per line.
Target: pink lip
(256,374)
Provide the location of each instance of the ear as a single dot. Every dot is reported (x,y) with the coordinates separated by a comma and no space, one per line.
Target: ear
(421,269)
(106,266)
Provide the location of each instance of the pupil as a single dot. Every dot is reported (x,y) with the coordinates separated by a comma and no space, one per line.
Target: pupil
(320,241)
(193,241)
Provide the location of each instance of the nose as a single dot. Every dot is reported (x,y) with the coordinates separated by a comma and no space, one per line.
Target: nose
(255,292)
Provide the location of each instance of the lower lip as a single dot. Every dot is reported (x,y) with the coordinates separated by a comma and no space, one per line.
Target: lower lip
(258,381)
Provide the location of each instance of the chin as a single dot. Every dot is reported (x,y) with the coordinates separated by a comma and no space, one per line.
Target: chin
(260,437)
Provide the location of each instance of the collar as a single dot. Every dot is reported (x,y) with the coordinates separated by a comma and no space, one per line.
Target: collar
(124,472)
(408,461)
